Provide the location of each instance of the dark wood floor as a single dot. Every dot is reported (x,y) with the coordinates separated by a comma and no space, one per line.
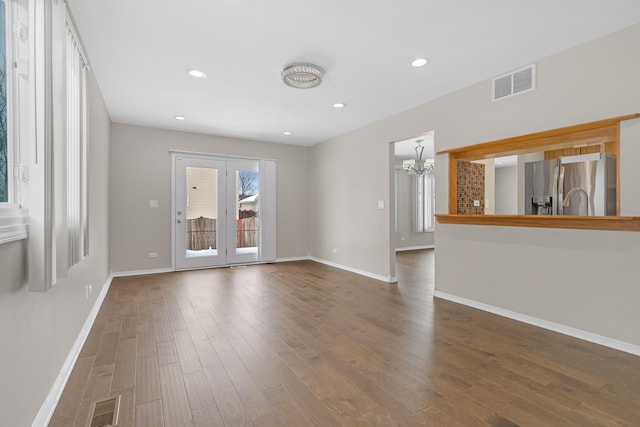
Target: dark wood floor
(303,344)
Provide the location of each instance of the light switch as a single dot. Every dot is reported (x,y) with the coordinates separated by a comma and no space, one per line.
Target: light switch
(380,204)
(153,203)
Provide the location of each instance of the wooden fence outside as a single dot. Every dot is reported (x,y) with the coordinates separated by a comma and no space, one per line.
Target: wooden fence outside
(202,235)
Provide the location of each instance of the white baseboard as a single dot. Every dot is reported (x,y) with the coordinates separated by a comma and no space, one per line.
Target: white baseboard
(142,272)
(50,403)
(414,248)
(386,279)
(556,327)
(299,258)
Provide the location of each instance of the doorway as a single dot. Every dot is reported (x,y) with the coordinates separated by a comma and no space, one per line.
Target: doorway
(223,211)
(414,193)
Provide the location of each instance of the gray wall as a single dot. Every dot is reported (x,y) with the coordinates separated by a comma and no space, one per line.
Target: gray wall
(404,236)
(141,171)
(590,279)
(38,330)
(507,191)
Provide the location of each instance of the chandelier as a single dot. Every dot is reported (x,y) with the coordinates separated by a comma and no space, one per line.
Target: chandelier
(302,75)
(417,166)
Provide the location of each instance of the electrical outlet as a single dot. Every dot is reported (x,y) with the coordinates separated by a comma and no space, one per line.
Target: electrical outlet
(153,254)
(88,290)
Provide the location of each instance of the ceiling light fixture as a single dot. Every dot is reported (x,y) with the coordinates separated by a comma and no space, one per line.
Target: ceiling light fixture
(416,166)
(181,118)
(419,62)
(302,75)
(339,105)
(286,133)
(198,74)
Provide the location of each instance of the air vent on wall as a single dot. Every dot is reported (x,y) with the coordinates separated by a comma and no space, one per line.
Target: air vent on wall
(514,83)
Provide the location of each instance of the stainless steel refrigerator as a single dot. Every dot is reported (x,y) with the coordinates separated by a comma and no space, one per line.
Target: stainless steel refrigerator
(571,185)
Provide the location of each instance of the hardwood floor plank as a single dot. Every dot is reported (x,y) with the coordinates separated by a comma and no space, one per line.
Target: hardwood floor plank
(230,406)
(305,344)
(207,417)
(148,388)
(167,354)
(196,331)
(253,401)
(187,355)
(107,348)
(129,327)
(124,374)
(149,414)
(198,391)
(162,330)
(256,368)
(126,417)
(175,406)
(146,343)
(71,398)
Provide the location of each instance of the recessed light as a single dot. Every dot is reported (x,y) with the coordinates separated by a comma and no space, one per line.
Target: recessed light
(181,118)
(286,133)
(198,74)
(339,105)
(419,62)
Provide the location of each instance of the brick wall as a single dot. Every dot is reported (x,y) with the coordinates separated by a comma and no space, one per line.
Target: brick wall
(470,187)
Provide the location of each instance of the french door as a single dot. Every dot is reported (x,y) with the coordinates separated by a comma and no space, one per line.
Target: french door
(221,207)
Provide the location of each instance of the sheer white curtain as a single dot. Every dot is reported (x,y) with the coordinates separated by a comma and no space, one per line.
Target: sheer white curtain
(77,218)
(424,203)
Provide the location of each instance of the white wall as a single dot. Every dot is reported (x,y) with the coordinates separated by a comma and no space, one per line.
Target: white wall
(589,280)
(37,330)
(489,186)
(594,275)
(141,171)
(506,191)
(405,237)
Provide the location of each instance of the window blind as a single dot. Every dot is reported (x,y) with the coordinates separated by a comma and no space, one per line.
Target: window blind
(76,147)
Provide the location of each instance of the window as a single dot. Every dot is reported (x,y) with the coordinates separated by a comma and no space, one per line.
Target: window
(77,230)
(424,213)
(56,189)
(13,220)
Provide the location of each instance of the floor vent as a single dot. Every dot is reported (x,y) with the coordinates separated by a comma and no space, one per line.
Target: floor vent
(105,413)
(514,83)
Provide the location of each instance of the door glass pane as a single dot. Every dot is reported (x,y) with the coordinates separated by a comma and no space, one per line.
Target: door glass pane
(201,212)
(247,211)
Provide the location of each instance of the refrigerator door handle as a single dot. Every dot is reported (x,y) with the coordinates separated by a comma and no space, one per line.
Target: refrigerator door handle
(561,191)
(554,193)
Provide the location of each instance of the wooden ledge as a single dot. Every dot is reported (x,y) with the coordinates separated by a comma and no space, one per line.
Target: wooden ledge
(616,223)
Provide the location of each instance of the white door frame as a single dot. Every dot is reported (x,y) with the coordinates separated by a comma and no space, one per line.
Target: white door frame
(267,169)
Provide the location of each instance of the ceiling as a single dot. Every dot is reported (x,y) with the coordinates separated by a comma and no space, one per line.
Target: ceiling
(405,150)
(141,50)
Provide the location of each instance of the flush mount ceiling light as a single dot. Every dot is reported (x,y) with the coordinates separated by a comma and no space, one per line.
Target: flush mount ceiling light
(339,105)
(419,62)
(286,132)
(198,74)
(302,75)
(181,118)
